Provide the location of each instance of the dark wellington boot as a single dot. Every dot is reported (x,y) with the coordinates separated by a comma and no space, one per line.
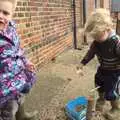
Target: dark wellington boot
(114,112)
(100,102)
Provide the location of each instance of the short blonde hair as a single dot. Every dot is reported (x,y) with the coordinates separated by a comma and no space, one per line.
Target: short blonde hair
(14,2)
(99,21)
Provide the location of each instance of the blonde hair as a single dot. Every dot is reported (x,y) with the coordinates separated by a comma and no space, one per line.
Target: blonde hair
(14,2)
(99,21)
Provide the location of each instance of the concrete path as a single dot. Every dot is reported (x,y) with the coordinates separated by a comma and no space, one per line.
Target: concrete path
(58,83)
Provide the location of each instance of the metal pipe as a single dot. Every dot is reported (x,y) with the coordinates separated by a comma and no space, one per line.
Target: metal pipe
(84,12)
(84,19)
(74,25)
(95,3)
(117,23)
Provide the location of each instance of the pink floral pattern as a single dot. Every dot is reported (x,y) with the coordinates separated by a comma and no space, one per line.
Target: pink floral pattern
(14,76)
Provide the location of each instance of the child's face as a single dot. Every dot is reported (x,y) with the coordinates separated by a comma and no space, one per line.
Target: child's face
(102,36)
(6,11)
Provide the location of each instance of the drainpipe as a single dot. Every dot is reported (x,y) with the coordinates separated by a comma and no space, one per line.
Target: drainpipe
(84,19)
(74,25)
(117,31)
(95,3)
(84,12)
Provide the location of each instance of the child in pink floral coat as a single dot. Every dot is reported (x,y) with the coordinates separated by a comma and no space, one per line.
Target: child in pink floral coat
(16,73)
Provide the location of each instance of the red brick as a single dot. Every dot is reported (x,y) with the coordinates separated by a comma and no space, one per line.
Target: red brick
(45,26)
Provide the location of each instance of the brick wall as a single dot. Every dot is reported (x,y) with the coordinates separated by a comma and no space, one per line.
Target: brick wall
(90,7)
(44,27)
(116,19)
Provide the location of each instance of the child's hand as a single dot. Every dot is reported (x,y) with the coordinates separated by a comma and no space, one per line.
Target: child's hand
(30,66)
(80,69)
(80,72)
(80,66)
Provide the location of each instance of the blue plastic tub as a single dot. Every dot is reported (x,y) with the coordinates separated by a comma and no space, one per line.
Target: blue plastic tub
(76,109)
